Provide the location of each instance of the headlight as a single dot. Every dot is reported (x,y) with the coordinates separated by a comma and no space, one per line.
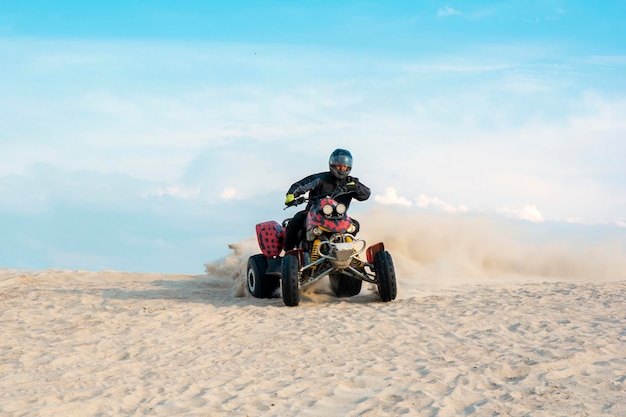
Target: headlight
(341,208)
(351,228)
(328,210)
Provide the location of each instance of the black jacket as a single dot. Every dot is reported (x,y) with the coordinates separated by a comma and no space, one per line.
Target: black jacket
(324,184)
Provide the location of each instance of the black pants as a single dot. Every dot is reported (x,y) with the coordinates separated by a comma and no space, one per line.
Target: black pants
(293,227)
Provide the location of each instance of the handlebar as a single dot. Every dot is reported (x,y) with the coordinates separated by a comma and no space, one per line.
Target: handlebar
(296,202)
(302,199)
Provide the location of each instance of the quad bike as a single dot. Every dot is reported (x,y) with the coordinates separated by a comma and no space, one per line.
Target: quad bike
(327,247)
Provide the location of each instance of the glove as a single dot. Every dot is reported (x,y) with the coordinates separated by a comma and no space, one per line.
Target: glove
(289,198)
(352,186)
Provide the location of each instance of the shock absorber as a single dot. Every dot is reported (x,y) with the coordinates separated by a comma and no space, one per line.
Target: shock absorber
(315,253)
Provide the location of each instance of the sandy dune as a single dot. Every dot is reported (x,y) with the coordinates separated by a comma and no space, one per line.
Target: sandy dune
(487,323)
(114,344)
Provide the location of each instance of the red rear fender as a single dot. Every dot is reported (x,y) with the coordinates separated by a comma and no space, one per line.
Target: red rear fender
(271,238)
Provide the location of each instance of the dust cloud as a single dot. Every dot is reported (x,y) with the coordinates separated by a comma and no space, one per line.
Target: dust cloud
(443,249)
(440,249)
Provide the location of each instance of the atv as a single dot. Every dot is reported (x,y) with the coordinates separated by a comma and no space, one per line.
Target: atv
(327,247)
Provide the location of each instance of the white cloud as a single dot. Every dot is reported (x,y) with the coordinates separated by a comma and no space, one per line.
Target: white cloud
(525,83)
(529,213)
(465,129)
(427,202)
(458,66)
(391,197)
(228,193)
(175,191)
(448,11)
(607,60)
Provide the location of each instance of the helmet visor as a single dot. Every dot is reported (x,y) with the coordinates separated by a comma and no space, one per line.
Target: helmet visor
(341,159)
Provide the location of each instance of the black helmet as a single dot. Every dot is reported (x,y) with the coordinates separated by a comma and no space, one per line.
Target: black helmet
(340,157)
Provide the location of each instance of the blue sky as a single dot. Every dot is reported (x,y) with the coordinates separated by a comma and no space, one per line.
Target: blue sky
(147,136)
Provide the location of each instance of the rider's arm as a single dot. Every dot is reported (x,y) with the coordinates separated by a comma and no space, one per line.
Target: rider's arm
(304,185)
(362,192)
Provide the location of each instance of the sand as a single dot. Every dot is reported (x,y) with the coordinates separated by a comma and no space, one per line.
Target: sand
(114,344)
(80,343)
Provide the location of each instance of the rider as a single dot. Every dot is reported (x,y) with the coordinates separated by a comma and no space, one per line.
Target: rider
(321,185)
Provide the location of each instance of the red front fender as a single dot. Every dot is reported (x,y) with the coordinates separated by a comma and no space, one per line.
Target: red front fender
(372,250)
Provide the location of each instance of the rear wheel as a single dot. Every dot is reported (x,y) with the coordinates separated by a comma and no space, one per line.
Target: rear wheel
(385,275)
(345,285)
(260,285)
(289,281)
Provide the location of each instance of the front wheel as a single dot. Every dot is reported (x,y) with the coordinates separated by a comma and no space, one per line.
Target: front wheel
(289,281)
(260,285)
(345,285)
(385,275)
